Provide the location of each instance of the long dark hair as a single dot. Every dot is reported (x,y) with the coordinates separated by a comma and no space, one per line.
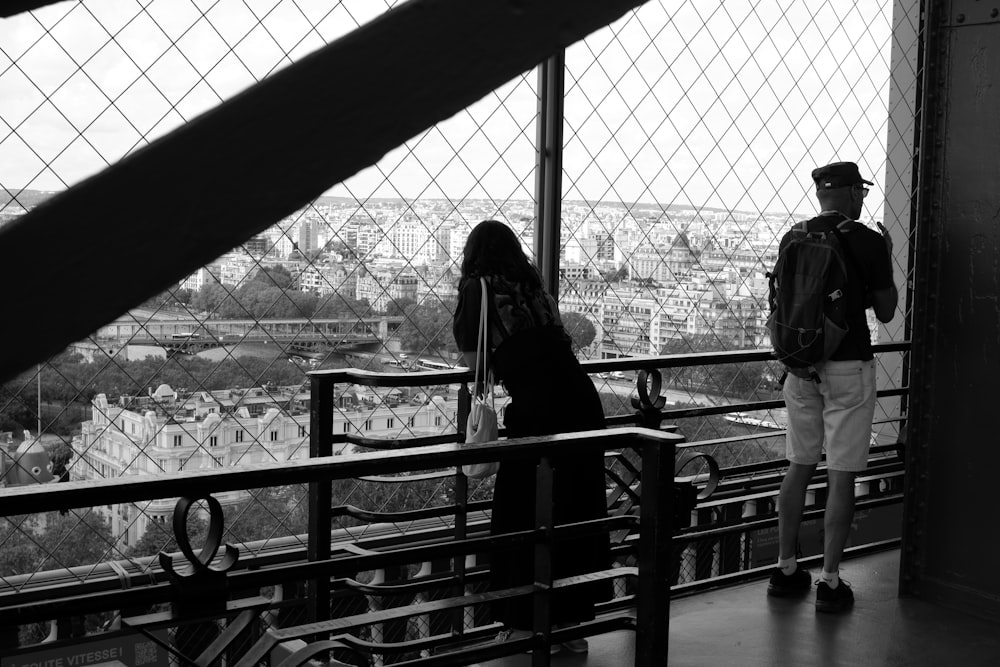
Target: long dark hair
(492,249)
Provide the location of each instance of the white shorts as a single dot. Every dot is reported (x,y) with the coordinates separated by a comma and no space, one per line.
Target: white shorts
(835,413)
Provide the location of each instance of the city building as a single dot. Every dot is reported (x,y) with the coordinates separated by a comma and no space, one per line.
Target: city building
(169,430)
(381,284)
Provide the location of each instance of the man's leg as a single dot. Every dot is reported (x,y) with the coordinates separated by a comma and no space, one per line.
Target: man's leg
(791,500)
(837,518)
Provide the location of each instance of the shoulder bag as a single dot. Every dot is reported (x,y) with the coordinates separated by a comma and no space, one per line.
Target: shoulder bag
(482,423)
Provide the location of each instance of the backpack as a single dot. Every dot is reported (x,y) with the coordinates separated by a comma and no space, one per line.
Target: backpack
(808,298)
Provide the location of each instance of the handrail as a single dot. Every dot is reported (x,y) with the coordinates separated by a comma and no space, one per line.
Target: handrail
(368,378)
(654,521)
(371,465)
(437,375)
(90,493)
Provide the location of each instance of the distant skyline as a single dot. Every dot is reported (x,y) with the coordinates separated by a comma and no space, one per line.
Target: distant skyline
(33,197)
(706,104)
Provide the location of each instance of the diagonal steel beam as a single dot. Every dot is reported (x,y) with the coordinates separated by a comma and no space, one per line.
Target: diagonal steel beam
(151,219)
(14,7)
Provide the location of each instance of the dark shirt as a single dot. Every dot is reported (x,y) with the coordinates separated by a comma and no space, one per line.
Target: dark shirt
(869,268)
(526,336)
(513,309)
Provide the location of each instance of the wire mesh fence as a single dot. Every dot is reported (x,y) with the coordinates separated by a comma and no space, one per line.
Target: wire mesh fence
(690,132)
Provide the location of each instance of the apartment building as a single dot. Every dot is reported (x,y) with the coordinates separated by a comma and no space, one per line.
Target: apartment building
(171,431)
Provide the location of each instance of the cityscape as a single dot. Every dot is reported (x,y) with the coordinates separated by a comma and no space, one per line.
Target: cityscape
(642,275)
(198,524)
(634,281)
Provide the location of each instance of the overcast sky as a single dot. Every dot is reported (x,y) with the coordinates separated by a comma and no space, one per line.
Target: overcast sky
(711,104)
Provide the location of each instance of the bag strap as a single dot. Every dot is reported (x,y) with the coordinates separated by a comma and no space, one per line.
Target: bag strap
(482,342)
(847,249)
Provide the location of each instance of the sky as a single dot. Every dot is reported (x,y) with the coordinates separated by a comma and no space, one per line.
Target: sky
(702,102)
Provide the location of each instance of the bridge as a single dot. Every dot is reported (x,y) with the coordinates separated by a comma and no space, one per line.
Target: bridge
(191,335)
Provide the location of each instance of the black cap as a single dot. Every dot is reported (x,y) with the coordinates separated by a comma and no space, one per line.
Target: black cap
(838,175)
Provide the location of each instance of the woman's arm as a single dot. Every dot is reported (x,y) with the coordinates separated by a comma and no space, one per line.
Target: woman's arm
(465,327)
(469,358)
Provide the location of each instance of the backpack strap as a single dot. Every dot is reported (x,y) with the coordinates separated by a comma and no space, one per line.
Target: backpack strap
(839,233)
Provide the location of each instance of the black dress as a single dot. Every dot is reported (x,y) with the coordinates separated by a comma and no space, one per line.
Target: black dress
(550,393)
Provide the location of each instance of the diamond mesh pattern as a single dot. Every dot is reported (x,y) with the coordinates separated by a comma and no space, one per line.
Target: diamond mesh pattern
(361,277)
(690,129)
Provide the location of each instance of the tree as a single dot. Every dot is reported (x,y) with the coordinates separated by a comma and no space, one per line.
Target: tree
(209,297)
(338,306)
(52,541)
(160,537)
(428,327)
(60,456)
(270,512)
(580,329)
(749,381)
(275,276)
(179,296)
(399,306)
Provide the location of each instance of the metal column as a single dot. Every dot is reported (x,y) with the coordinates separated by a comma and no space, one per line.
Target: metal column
(950,545)
(548,169)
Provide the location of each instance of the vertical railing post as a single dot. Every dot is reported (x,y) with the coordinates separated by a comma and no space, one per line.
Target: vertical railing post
(461,506)
(320,444)
(199,586)
(548,168)
(655,526)
(464,407)
(461,532)
(542,597)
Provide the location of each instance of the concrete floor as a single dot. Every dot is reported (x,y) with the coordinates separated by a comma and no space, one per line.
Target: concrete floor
(741,625)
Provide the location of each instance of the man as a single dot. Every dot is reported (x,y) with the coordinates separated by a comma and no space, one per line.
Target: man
(835,407)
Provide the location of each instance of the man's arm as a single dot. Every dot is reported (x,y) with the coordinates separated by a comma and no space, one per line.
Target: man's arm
(884,300)
(884,303)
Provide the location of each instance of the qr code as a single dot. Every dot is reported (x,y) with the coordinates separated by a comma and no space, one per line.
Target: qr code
(146,653)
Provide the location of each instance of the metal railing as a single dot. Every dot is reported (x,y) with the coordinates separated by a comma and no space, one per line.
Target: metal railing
(202,587)
(717,535)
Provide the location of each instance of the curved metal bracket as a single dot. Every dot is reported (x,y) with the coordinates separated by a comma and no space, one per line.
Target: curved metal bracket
(306,653)
(649,404)
(687,456)
(199,564)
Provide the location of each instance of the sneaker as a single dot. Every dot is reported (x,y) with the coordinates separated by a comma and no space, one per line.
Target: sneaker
(787,585)
(833,600)
(576,646)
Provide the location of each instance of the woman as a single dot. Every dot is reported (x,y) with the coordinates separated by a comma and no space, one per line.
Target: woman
(532,355)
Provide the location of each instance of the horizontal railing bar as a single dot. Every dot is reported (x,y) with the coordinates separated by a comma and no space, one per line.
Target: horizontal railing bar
(197,483)
(772,464)
(386,444)
(753,405)
(274,637)
(403,516)
(367,378)
(343,562)
(479,646)
(735,490)
(591,366)
(744,576)
(145,571)
(398,479)
(770,522)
